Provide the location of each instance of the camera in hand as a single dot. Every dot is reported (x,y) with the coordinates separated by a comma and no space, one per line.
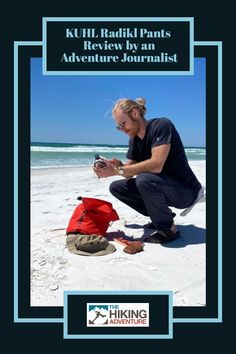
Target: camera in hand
(99,162)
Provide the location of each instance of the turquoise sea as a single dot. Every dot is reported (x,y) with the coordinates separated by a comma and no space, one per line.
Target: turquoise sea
(54,155)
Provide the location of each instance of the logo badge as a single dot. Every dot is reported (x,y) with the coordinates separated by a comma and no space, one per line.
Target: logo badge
(118,315)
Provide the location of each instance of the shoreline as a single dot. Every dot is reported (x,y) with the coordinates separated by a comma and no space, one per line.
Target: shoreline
(67,168)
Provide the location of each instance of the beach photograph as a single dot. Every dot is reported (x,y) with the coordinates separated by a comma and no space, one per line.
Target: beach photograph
(71,122)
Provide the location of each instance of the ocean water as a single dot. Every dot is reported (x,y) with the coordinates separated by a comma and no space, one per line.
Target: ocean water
(55,155)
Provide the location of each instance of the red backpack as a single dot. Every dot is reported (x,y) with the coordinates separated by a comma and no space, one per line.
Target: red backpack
(91,217)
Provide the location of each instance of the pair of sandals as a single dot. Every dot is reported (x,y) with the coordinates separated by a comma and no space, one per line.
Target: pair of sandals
(162,236)
(159,236)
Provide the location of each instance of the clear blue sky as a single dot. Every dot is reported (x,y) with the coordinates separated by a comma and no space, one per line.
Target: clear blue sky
(77,109)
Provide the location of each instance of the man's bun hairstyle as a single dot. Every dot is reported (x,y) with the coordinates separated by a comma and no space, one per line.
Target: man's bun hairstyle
(126,105)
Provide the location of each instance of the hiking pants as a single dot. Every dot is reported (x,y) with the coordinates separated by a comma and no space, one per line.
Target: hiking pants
(151,195)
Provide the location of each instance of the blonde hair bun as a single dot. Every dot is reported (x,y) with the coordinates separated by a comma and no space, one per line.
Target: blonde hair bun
(141,101)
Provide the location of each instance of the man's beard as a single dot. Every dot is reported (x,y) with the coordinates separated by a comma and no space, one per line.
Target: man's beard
(135,130)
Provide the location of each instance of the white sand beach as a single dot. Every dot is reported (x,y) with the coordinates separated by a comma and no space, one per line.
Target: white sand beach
(178,266)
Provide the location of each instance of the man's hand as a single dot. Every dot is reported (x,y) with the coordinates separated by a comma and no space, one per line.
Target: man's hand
(117,163)
(107,171)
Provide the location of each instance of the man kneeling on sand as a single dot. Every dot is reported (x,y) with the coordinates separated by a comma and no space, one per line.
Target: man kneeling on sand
(157,159)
